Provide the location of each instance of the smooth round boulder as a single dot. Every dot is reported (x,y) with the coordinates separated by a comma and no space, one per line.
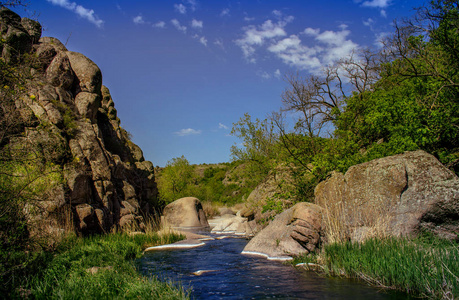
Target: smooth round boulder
(185,212)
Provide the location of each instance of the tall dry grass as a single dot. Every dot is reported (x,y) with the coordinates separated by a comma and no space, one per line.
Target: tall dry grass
(356,222)
(210,208)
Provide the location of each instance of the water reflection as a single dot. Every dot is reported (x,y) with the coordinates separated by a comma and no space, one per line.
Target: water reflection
(226,274)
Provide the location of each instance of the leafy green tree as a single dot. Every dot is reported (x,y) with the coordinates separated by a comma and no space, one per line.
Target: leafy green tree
(175,179)
(259,145)
(414,103)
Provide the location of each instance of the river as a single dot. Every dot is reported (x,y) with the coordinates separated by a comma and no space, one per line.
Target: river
(227,274)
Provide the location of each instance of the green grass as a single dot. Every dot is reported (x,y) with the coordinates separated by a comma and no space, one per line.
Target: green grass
(425,266)
(67,272)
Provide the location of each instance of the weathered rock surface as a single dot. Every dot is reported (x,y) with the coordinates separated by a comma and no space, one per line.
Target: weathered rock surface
(88,73)
(398,195)
(59,72)
(184,212)
(69,119)
(295,231)
(274,188)
(234,224)
(17,39)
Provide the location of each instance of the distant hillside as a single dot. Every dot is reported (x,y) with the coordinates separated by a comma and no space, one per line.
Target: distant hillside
(224,184)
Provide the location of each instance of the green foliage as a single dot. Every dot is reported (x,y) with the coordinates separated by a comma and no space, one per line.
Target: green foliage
(273,204)
(24,178)
(176,179)
(69,118)
(180,179)
(98,267)
(401,114)
(259,145)
(70,126)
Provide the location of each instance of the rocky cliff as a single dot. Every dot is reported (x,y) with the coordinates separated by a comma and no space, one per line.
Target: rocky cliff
(66,128)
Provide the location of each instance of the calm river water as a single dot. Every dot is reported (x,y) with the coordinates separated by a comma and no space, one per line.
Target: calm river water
(235,276)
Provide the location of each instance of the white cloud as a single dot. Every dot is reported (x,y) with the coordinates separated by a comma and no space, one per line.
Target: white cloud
(247,19)
(225,12)
(264,74)
(369,22)
(334,38)
(64,3)
(196,24)
(255,36)
(268,75)
(178,26)
(219,42)
(327,47)
(380,37)
(180,8)
(193,4)
(311,31)
(81,11)
(381,4)
(277,13)
(377,3)
(160,24)
(138,20)
(203,41)
(292,52)
(277,73)
(318,49)
(282,18)
(222,126)
(187,131)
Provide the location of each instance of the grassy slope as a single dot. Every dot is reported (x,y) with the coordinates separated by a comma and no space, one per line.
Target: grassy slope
(98,267)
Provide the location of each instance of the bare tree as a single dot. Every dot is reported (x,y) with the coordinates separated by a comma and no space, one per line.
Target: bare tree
(320,99)
(314,98)
(427,45)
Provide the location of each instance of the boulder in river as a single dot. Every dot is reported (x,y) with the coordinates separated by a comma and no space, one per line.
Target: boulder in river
(184,212)
(233,224)
(295,231)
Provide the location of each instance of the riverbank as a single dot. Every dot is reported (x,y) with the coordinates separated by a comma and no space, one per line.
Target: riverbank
(425,266)
(97,267)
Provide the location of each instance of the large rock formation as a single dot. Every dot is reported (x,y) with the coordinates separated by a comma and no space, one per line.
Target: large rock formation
(398,195)
(184,213)
(295,231)
(69,121)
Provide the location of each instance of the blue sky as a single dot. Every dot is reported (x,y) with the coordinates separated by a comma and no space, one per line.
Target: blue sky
(182,72)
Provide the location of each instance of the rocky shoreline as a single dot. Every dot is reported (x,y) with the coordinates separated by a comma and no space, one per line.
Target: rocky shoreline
(397,196)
